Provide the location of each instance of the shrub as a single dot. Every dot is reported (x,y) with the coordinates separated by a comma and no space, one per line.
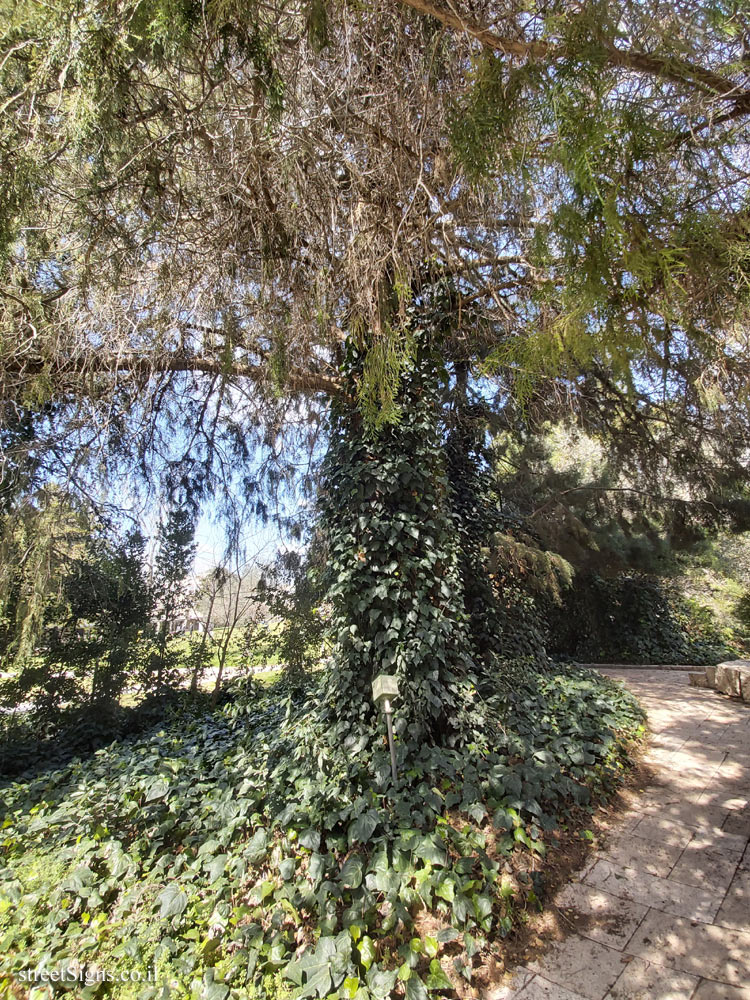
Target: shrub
(633,618)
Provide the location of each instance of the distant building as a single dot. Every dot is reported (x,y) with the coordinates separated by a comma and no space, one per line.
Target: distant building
(187,623)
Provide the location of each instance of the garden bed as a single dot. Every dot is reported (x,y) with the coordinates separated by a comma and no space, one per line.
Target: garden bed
(237,854)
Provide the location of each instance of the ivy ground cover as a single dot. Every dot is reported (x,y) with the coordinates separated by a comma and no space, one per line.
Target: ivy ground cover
(240,853)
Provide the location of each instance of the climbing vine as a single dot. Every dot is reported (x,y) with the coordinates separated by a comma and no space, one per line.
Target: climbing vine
(393,567)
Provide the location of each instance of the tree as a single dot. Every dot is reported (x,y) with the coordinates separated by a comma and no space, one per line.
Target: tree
(174,560)
(109,606)
(589,215)
(232,599)
(299,631)
(42,540)
(213,209)
(79,641)
(625,543)
(206,595)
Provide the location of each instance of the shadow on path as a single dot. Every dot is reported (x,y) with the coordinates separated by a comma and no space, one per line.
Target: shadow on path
(664,912)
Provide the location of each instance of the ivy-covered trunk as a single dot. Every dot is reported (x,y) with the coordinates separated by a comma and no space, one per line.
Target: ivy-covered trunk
(392,564)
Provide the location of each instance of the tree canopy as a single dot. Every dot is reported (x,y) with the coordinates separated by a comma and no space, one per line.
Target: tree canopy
(205,204)
(235,236)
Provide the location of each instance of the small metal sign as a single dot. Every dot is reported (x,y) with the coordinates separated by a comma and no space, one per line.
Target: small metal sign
(385,687)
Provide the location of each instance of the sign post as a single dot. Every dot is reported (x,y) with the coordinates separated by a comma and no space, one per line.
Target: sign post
(385,687)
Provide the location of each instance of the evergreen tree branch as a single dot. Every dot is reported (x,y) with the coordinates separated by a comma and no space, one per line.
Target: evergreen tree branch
(93,363)
(666,67)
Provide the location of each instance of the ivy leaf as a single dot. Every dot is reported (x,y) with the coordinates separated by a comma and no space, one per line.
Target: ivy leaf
(252,961)
(366,952)
(318,983)
(325,966)
(317,867)
(310,839)
(431,946)
(502,819)
(483,909)
(429,849)
(286,868)
(351,873)
(213,990)
(363,827)
(208,847)
(523,837)
(476,811)
(157,790)
(351,985)
(173,901)
(216,867)
(415,989)
(470,945)
(448,934)
(446,890)
(437,979)
(380,982)
(119,864)
(294,971)
(78,879)
(461,908)
(256,848)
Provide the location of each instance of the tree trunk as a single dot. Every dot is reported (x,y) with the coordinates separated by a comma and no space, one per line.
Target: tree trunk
(223,650)
(393,567)
(161,653)
(202,650)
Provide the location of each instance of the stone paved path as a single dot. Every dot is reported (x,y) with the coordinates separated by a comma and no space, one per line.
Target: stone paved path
(664,912)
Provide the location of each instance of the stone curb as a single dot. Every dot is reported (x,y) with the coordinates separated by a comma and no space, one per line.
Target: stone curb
(639,666)
(731,677)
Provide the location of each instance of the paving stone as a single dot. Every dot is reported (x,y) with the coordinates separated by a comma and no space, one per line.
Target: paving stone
(542,989)
(704,751)
(738,822)
(599,915)
(521,977)
(664,894)
(671,740)
(725,798)
(735,909)
(720,991)
(676,851)
(664,831)
(645,981)
(705,866)
(701,751)
(721,841)
(631,851)
(685,782)
(704,950)
(732,774)
(736,741)
(687,814)
(580,965)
